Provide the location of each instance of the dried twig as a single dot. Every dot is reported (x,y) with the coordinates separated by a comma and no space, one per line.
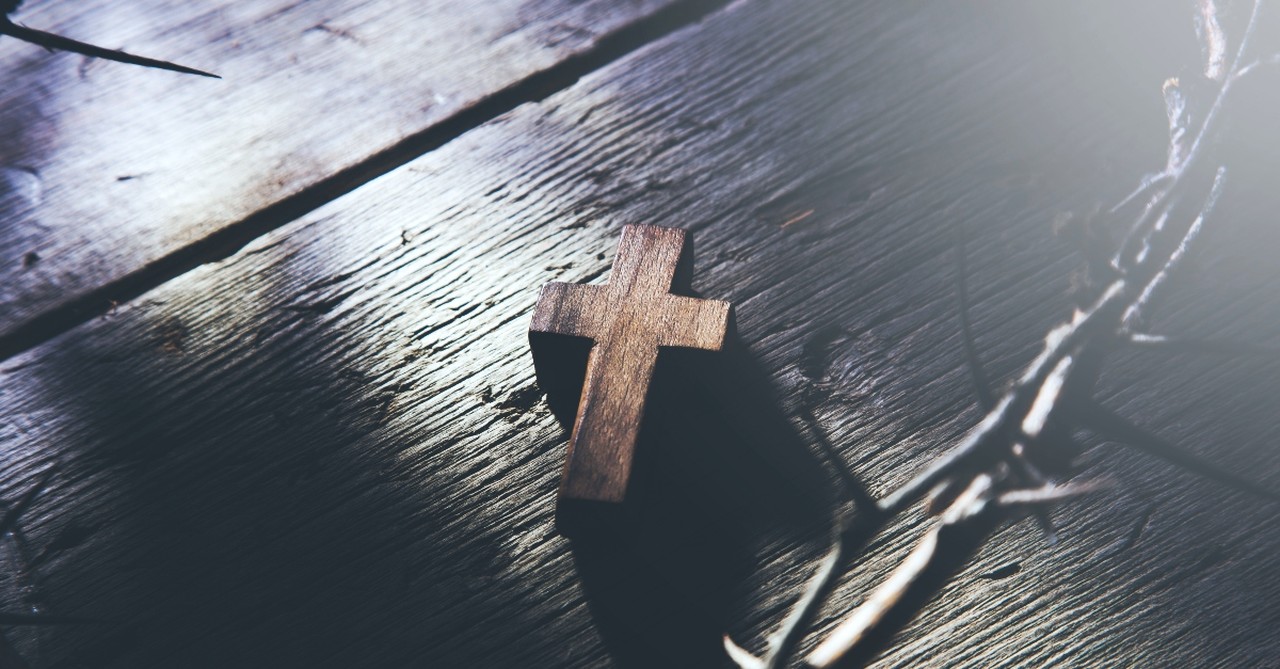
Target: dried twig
(994,473)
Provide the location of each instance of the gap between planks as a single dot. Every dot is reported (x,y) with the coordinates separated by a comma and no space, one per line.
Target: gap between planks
(227,241)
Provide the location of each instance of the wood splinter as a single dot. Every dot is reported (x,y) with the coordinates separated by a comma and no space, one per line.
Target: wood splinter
(54,42)
(627,321)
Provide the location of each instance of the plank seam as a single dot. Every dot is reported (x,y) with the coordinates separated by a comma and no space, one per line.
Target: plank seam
(231,239)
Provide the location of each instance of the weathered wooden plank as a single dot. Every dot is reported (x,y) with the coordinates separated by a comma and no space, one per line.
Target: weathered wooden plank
(110,170)
(327,449)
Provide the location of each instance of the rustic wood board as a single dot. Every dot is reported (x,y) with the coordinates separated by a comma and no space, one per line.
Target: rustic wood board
(327,449)
(113,175)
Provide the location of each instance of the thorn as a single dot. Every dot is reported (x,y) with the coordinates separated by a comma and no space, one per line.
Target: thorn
(1048,494)
(1105,423)
(59,43)
(1148,183)
(1135,312)
(1261,62)
(854,490)
(1029,471)
(1166,344)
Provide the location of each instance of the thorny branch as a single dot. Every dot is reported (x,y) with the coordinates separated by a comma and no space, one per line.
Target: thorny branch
(1010,463)
(59,43)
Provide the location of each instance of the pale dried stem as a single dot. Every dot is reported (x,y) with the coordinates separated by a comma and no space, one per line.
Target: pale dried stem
(849,633)
(1015,424)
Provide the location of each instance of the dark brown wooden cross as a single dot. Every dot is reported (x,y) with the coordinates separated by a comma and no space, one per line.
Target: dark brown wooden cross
(628,320)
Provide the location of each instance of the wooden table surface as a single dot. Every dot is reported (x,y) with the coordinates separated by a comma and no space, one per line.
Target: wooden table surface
(269,332)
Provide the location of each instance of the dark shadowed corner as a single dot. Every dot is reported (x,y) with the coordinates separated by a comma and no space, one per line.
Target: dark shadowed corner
(252,513)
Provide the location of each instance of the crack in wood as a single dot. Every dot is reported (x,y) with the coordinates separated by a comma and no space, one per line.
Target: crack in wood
(227,241)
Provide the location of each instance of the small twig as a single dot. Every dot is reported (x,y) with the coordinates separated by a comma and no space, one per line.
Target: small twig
(59,43)
(782,643)
(1133,316)
(858,520)
(1106,423)
(1161,343)
(1258,64)
(846,636)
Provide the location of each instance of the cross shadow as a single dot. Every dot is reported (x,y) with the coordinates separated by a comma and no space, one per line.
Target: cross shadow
(718,469)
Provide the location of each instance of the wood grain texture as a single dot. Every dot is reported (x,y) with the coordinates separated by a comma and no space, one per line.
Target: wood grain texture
(328,449)
(628,321)
(110,169)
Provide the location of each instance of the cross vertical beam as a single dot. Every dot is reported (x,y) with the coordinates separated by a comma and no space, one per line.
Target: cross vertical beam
(627,321)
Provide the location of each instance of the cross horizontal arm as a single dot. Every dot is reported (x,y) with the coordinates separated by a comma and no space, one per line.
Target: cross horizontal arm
(693,323)
(568,309)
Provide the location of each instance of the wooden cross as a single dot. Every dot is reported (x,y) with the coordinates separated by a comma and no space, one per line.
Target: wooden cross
(628,320)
